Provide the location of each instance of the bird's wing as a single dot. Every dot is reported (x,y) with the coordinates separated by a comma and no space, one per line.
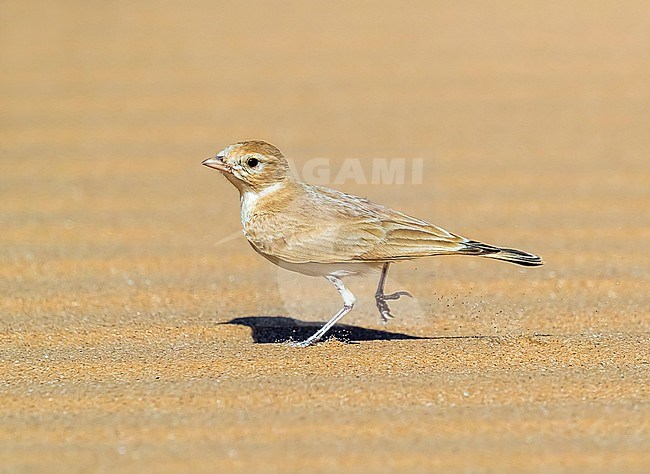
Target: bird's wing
(304,239)
(407,237)
(328,226)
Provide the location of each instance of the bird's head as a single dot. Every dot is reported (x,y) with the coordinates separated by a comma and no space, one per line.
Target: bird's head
(251,165)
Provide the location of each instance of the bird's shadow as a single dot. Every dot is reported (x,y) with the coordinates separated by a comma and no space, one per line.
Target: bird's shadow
(278,329)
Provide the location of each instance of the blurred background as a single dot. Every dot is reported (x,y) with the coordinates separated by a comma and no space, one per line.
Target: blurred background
(532,120)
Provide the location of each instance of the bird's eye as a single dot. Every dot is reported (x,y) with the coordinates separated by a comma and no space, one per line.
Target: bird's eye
(252,162)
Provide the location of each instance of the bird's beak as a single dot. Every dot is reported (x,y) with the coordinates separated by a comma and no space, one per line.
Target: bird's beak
(217,163)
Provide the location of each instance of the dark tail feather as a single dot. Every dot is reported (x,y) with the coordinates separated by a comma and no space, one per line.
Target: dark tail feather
(507,255)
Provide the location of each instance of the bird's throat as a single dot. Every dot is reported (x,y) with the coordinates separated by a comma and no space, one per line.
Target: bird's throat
(252,201)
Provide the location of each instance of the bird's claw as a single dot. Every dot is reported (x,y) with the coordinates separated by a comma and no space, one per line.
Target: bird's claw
(382,305)
(384,310)
(304,343)
(397,295)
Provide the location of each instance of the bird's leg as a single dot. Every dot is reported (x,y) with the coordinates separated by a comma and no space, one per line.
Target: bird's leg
(348,303)
(381,298)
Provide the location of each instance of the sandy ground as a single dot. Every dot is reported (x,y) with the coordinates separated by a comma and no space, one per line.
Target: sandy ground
(133,339)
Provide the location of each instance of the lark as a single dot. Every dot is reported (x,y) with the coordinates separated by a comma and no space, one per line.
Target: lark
(323,232)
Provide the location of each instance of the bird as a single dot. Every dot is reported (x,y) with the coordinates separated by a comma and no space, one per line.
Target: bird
(322,232)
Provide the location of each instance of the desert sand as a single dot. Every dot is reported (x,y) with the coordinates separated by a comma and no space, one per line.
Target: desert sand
(139,332)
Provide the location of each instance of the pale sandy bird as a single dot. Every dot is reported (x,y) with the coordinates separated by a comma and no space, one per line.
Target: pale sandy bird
(318,231)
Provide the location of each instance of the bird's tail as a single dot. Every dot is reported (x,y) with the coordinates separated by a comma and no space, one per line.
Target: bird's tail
(507,255)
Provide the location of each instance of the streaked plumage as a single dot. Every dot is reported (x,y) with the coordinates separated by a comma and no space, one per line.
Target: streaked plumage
(324,232)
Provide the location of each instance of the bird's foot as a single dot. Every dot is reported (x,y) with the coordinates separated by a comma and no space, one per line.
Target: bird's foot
(304,343)
(382,305)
